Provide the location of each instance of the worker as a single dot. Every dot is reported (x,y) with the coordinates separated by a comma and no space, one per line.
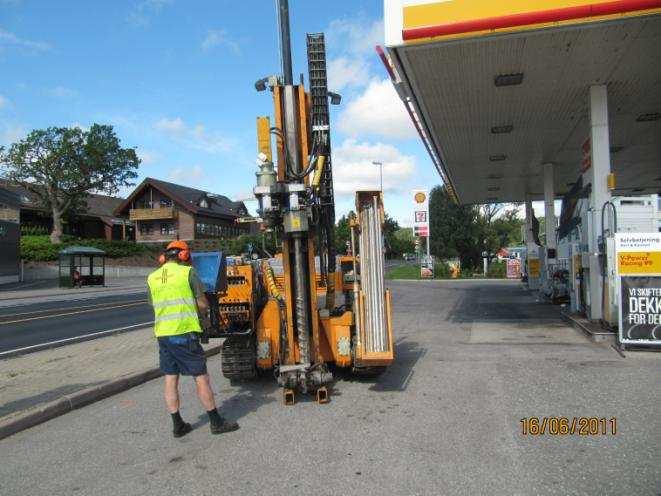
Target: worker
(180,312)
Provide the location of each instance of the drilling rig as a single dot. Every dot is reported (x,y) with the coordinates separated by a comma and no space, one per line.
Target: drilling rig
(306,311)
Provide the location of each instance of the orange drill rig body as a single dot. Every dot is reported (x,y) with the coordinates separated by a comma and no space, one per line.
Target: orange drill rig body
(301,312)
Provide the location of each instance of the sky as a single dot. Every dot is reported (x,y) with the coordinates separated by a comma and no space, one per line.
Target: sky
(176,80)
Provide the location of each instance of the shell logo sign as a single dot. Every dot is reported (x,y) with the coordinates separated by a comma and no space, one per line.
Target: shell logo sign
(420,213)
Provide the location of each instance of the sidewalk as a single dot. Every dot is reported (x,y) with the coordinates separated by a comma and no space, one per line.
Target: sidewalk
(29,382)
(48,290)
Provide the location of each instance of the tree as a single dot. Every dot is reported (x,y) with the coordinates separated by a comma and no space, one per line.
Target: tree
(61,166)
(465,231)
(454,229)
(402,242)
(343,233)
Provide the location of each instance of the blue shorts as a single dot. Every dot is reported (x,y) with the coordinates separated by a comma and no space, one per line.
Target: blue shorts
(182,355)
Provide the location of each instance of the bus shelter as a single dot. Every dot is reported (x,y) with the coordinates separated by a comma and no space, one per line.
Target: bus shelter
(82,266)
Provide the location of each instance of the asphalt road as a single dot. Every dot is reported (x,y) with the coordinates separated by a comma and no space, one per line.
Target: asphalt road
(473,359)
(60,322)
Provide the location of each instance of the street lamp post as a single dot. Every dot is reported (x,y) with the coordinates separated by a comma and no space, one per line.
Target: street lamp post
(380,164)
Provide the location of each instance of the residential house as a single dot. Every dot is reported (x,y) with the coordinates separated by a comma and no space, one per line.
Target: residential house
(95,219)
(163,211)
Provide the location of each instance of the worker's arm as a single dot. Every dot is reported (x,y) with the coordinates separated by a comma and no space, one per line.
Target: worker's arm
(200,298)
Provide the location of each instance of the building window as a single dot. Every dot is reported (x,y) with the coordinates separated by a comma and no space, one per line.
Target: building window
(167,228)
(166,202)
(146,228)
(204,203)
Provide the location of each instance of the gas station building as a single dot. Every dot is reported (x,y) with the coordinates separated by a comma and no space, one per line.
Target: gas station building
(529,101)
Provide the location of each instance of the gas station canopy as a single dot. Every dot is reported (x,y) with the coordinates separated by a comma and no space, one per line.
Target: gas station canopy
(497,89)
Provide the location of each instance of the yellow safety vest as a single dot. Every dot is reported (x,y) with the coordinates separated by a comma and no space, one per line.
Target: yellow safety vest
(175,310)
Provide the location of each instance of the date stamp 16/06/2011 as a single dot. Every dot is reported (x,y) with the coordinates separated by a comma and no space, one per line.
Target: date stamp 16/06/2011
(568,426)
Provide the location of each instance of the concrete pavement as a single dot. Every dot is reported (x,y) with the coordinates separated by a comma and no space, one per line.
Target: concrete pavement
(473,358)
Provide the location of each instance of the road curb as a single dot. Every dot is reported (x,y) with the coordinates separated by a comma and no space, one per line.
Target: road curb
(594,336)
(82,398)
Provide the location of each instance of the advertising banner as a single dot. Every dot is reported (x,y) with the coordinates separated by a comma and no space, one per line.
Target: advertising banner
(640,305)
(420,213)
(639,285)
(513,268)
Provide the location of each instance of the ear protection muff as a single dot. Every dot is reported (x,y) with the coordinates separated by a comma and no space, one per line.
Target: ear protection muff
(183,255)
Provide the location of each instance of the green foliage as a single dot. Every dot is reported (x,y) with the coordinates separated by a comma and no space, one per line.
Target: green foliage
(455,229)
(343,233)
(40,249)
(60,166)
(405,271)
(263,245)
(441,270)
(412,271)
(497,270)
(401,242)
(27,230)
(465,231)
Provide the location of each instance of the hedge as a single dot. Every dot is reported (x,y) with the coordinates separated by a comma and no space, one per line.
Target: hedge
(497,270)
(40,249)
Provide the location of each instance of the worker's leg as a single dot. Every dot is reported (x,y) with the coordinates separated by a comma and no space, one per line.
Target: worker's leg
(204,392)
(172,393)
(171,370)
(191,361)
(217,423)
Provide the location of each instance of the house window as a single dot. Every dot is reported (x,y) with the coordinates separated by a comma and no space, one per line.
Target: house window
(167,228)
(146,228)
(204,203)
(166,202)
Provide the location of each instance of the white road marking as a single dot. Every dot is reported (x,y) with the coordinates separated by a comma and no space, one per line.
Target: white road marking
(66,340)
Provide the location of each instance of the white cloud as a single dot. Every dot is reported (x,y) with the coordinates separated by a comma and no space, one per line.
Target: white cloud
(11,133)
(8,39)
(196,137)
(353,169)
(62,93)
(193,176)
(344,72)
(357,36)
(4,102)
(378,111)
(142,12)
(350,45)
(148,157)
(219,38)
(173,127)
(80,126)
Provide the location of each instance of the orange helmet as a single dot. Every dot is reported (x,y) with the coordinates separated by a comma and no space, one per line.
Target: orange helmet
(178,245)
(184,251)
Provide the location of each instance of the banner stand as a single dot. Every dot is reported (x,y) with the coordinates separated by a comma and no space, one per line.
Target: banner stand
(639,288)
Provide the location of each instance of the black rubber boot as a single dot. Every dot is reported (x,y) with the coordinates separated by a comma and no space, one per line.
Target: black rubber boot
(223,426)
(182,430)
